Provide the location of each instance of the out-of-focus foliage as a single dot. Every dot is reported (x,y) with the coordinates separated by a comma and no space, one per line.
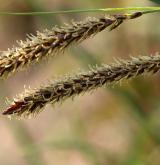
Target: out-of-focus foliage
(156,1)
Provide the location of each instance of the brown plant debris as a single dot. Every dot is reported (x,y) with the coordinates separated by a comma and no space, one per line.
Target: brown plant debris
(48,42)
(59,90)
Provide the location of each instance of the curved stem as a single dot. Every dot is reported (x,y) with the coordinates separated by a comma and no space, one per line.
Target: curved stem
(144,10)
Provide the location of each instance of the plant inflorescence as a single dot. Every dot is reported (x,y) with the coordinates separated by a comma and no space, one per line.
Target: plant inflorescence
(49,42)
(34,101)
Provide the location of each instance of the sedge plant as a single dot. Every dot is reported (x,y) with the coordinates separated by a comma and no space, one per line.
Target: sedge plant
(51,42)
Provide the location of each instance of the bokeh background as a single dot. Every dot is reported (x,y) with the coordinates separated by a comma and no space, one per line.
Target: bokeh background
(115,125)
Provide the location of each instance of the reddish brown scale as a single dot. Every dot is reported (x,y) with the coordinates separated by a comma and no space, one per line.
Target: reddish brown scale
(14,108)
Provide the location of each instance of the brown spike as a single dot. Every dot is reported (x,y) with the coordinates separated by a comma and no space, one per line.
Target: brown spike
(50,41)
(83,82)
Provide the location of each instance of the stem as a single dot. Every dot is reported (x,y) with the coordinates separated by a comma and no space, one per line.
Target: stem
(144,10)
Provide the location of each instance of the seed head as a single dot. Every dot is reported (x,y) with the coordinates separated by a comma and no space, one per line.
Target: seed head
(33,102)
(49,42)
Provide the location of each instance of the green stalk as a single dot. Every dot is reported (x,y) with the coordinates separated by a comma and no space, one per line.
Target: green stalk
(144,10)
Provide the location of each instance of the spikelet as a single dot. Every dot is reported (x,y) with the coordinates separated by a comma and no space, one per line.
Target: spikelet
(49,42)
(70,86)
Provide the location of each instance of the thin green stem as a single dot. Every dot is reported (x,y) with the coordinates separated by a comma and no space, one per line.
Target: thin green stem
(144,10)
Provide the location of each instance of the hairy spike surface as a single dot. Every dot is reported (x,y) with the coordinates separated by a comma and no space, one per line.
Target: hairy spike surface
(33,102)
(57,39)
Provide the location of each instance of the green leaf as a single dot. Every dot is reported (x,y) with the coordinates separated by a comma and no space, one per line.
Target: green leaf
(144,10)
(156,1)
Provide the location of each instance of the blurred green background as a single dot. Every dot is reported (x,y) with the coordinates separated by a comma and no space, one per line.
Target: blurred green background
(116,125)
